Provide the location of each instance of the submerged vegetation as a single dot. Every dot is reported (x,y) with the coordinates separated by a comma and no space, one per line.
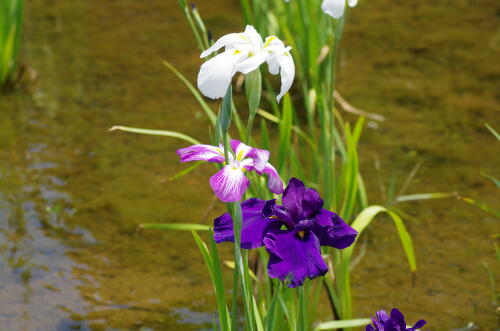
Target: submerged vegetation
(11,20)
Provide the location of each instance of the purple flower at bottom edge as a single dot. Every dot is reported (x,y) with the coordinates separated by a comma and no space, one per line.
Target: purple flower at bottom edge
(292,233)
(230,183)
(394,322)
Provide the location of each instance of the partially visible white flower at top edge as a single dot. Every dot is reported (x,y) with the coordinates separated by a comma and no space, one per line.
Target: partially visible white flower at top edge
(244,52)
(335,8)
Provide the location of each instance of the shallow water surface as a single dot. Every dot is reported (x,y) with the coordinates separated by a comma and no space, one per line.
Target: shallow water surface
(72,194)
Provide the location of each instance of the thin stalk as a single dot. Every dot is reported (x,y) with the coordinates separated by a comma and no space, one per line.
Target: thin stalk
(234,303)
(302,309)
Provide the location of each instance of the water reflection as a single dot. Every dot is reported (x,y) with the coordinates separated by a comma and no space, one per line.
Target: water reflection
(39,287)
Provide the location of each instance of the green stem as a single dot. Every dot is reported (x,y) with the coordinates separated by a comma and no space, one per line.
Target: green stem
(302,309)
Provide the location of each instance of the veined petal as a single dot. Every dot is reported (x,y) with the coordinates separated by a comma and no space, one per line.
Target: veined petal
(215,75)
(224,41)
(252,63)
(334,8)
(333,231)
(201,153)
(240,149)
(229,183)
(274,182)
(254,228)
(352,3)
(259,157)
(294,257)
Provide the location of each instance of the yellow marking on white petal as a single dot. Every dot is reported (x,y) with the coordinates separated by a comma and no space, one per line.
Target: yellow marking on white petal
(239,157)
(269,40)
(218,150)
(236,52)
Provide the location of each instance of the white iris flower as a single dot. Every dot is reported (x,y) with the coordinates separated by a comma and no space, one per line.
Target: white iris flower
(335,8)
(244,52)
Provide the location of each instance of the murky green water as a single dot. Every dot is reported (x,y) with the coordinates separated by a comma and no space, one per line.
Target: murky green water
(72,194)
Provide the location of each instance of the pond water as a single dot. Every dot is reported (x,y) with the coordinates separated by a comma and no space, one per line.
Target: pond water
(72,194)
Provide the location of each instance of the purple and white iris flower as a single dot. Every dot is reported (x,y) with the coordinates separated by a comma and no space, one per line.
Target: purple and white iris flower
(244,52)
(292,233)
(394,322)
(230,183)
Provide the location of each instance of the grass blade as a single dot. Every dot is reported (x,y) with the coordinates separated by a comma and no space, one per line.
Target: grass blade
(171,134)
(332,325)
(175,226)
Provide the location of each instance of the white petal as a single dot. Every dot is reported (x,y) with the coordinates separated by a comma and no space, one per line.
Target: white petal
(252,63)
(215,75)
(334,8)
(225,41)
(253,37)
(287,71)
(229,184)
(274,66)
(352,3)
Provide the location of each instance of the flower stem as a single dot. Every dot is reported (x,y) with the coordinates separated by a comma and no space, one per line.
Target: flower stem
(302,310)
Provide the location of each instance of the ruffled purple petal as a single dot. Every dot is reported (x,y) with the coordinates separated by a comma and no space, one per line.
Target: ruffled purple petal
(293,258)
(417,325)
(274,182)
(254,228)
(394,322)
(391,325)
(398,318)
(201,153)
(229,184)
(293,196)
(333,231)
(312,203)
(282,214)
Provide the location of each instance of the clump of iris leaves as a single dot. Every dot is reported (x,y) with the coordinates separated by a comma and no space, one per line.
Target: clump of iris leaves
(314,143)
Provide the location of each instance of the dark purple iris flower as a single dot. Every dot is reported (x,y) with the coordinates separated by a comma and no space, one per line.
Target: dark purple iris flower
(394,322)
(292,233)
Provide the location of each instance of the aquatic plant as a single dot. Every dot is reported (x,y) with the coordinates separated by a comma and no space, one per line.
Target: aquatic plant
(11,19)
(302,237)
(393,322)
